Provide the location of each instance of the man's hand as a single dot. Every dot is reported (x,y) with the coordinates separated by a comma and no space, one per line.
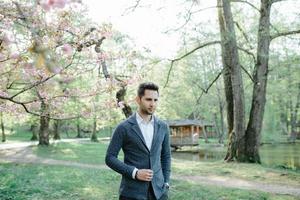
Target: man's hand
(144,175)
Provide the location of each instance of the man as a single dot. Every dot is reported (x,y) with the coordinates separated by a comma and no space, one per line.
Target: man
(144,140)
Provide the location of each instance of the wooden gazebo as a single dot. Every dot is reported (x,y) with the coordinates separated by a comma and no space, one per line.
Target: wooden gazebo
(186,132)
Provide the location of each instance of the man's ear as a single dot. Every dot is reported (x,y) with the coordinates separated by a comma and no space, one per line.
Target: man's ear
(137,99)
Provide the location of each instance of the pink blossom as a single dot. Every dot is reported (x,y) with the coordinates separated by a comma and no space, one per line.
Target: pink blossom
(45,6)
(4,94)
(51,2)
(54,69)
(67,79)
(130,81)
(67,49)
(6,39)
(76,1)
(2,56)
(15,56)
(48,4)
(121,104)
(59,3)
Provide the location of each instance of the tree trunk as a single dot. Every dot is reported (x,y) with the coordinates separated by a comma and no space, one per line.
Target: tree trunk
(121,99)
(253,132)
(34,130)
(294,115)
(94,133)
(56,130)
(283,120)
(221,112)
(2,127)
(78,128)
(217,128)
(233,84)
(204,134)
(227,85)
(44,124)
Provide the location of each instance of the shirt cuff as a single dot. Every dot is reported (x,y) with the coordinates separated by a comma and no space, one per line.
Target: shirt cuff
(134,172)
(167,185)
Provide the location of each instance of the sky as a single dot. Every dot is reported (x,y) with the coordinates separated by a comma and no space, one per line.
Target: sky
(145,25)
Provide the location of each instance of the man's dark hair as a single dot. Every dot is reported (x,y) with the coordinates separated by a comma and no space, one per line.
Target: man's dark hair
(146,86)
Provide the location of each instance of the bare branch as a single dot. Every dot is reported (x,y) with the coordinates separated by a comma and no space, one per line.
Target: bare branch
(187,54)
(285,34)
(243,33)
(244,69)
(275,1)
(210,85)
(195,49)
(250,4)
(203,9)
(248,52)
(131,8)
(189,17)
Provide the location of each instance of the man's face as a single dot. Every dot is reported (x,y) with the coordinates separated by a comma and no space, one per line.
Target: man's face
(148,102)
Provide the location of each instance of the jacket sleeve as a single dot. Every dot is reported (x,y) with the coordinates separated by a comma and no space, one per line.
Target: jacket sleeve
(166,156)
(111,158)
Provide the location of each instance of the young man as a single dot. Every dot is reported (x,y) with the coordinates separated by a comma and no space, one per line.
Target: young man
(144,140)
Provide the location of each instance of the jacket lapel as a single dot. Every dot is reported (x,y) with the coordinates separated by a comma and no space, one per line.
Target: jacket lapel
(156,133)
(135,127)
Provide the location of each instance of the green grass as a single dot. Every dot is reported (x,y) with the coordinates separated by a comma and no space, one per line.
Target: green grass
(38,182)
(24,134)
(34,181)
(193,191)
(18,134)
(252,172)
(86,152)
(56,182)
(94,153)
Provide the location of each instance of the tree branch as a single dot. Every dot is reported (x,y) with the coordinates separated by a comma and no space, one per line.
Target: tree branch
(275,1)
(250,4)
(187,54)
(248,52)
(210,85)
(131,8)
(244,69)
(243,33)
(188,18)
(285,34)
(43,80)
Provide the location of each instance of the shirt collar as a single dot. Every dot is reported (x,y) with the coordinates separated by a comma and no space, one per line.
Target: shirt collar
(140,120)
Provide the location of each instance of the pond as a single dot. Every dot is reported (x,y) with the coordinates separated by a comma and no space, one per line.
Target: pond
(284,155)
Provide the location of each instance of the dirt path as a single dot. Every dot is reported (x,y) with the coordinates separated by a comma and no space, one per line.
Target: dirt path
(24,154)
(240,184)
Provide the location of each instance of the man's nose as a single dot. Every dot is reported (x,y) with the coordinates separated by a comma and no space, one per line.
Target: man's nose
(152,103)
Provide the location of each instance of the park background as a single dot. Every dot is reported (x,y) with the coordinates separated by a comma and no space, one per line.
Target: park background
(69,72)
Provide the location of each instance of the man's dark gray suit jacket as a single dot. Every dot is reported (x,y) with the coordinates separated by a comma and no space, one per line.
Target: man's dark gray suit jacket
(128,137)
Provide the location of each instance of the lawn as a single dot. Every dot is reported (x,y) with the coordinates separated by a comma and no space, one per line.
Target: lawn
(94,153)
(36,181)
(85,152)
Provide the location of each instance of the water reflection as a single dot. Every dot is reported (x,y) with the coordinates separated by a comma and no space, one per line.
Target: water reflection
(283,155)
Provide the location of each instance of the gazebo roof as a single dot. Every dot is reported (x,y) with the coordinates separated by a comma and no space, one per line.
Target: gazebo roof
(187,122)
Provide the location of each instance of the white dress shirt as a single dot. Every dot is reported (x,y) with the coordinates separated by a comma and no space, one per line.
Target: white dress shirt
(147,129)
